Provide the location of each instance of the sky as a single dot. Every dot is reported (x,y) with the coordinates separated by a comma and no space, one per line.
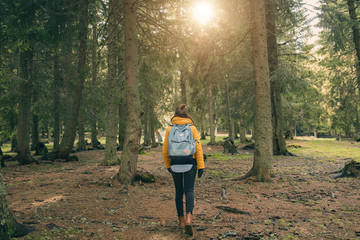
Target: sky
(311,5)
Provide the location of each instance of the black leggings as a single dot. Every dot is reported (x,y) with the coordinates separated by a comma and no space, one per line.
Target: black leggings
(184,182)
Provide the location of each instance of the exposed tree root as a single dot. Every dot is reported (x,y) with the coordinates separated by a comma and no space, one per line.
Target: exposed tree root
(254,176)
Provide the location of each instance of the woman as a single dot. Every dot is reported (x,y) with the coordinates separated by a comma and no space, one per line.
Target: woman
(184,179)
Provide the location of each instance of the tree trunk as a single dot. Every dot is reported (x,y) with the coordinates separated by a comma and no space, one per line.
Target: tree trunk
(56,107)
(183,87)
(67,142)
(128,163)
(81,129)
(9,227)
(152,126)
(279,144)
(23,134)
(94,71)
(147,123)
(122,104)
(228,110)
(35,124)
(211,114)
(262,163)
(112,83)
(356,36)
(122,123)
(242,134)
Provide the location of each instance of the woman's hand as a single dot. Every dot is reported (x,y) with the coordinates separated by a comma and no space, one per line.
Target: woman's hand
(200,172)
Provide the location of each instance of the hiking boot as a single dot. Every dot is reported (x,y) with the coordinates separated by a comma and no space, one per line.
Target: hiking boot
(182,222)
(188,225)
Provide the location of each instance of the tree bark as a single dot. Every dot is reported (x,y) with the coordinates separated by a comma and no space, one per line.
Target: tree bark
(242,134)
(23,134)
(94,72)
(34,125)
(67,142)
(147,123)
(128,163)
(228,110)
(56,107)
(122,105)
(112,84)
(183,87)
(211,114)
(356,36)
(279,144)
(122,123)
(262,163)
(81,129)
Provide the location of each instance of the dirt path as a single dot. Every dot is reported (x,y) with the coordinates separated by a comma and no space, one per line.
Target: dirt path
(81,200)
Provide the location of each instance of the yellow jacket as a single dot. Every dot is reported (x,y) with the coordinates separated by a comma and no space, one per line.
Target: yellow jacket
(199,152)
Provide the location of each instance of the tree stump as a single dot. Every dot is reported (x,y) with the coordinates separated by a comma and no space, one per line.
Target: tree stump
(229,146)
(72,158)
(351,169)
(40,149)
(144,177)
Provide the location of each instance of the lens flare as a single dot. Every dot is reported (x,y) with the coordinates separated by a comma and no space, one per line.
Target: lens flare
(202,12)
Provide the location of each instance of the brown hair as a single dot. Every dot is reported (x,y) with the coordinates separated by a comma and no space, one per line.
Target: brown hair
(182,111)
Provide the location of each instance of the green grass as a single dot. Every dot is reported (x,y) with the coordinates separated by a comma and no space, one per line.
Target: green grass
(330,149)
(224,157)
(219,138)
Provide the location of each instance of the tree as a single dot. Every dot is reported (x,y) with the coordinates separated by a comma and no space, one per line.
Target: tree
(355,26)
(94,73)
(339,38)
(26,18)
(128,162)
(279,144)
(262,163)
(112,84)
(71,122)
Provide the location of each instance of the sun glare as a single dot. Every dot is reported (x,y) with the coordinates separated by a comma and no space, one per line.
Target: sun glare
(202,12)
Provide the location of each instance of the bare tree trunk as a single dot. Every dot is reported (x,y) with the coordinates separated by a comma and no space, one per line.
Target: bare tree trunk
(211,114)
(122,123)
(112,84)
(56,107)
(67,142)
(242,134)
(94,72)
(128,163)
(35,126)
(262,164)
(23,134)
(122,104)
(81,129)
(228,109)
(279,144)
(147,124)
(152,126)
(183,87)
(356,36)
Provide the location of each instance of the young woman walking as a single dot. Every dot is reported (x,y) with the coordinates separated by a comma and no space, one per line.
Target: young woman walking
(184,176)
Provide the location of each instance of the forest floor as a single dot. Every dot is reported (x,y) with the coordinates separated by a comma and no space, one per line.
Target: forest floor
(82,200)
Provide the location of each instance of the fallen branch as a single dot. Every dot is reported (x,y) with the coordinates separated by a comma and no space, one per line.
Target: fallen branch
(232,210)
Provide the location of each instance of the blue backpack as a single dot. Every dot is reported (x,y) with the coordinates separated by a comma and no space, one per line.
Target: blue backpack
(182,145)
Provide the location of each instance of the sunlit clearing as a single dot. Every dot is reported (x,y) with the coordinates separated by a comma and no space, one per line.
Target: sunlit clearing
(203,12)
